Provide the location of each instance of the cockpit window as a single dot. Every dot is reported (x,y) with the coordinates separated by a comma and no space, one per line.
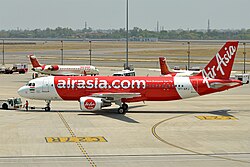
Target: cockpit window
(31,84)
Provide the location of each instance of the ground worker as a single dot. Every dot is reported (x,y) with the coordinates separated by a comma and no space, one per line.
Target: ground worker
(27,105)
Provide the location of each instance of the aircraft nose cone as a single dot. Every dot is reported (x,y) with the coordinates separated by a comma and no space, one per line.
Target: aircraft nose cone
(22,91)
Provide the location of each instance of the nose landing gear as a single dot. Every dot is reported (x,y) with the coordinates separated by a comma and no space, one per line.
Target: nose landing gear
(47,108)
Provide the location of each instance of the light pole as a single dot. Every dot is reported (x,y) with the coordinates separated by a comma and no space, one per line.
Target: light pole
(3,52)
(244,53)
(126,66)
(188,52)
(90,50)
(62,53)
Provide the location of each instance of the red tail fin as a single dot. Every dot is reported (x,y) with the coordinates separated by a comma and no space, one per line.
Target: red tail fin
(164,67)
(34,61)
(220,66)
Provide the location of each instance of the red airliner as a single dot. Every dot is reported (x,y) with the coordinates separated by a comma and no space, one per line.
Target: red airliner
(166,70)
(62,69)
(96,92)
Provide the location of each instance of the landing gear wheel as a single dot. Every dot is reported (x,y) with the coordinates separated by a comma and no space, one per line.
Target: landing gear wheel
(125,106)
(5,106)
(121,110)
(47,108)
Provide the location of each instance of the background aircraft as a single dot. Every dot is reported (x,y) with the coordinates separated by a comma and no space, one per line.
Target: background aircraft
(96,92)
(72,70)
(166,70)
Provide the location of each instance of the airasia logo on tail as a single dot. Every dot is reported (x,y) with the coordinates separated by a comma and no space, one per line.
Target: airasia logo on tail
(89,104)
(221,65)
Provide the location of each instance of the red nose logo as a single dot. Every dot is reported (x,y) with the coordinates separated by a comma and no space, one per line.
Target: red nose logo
(89,104)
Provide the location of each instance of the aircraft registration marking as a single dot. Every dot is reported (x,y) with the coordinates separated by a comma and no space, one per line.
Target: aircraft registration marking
(75,139)
(218,117)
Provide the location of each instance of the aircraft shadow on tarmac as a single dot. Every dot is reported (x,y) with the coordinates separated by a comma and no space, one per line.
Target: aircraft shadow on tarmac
(112,113)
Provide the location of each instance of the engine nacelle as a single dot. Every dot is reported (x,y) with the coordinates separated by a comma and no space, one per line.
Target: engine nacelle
(53,67)
(93,103)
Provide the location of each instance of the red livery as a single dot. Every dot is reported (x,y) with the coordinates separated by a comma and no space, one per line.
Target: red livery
(96,92)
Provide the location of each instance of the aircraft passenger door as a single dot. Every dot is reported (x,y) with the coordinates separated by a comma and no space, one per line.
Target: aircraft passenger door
(45,87)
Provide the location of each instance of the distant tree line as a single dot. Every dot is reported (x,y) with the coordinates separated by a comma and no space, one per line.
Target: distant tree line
(243,34)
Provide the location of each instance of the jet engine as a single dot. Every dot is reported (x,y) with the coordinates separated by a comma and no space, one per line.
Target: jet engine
(53,67)
(93,103)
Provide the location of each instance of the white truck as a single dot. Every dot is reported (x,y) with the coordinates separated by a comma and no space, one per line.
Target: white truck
(124,73)
(11,103)
(243,77)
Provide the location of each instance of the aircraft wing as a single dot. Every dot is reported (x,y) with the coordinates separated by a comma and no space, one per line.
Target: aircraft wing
(116,96)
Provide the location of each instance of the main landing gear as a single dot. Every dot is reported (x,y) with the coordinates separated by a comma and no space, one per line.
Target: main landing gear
(123,108)
(47,108)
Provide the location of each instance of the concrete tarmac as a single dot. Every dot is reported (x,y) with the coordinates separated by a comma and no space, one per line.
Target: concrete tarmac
(151,134)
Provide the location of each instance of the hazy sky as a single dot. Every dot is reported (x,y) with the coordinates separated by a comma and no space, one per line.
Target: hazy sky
(110,14)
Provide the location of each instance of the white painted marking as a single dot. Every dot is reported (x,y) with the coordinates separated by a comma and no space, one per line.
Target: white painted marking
(184,87)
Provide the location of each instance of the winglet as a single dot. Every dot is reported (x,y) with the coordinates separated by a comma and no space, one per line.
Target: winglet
(34,61)
(220,66)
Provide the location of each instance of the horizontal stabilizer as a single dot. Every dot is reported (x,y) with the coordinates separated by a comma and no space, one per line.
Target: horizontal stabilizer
(217,85)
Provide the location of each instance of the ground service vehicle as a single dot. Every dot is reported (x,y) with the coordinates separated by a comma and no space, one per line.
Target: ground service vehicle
(124,73)
(20,68)
(11,103)
(243,77)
